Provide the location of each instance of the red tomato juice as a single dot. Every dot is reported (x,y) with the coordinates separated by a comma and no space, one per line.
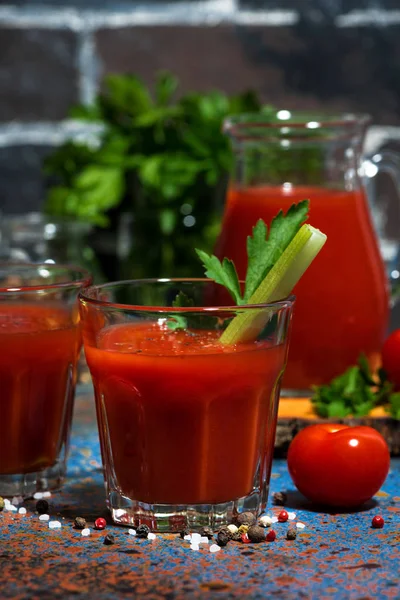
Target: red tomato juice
(183,419)
(342,304)
(38,348)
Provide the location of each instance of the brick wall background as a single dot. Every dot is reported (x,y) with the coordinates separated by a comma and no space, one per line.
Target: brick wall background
(331,54)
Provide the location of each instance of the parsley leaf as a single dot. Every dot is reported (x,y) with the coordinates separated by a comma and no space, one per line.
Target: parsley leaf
(264,250)
(176,321)
(223,273)
(356,392)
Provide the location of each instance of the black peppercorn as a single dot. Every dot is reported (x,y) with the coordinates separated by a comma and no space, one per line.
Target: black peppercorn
(109,539)
(142,531)
(42,506)
(223,538)
(246,518)
(79,523)
(184,532)
(279,498)
(236,536)
(256,534)
(291,534)
(1,503)
(207,532)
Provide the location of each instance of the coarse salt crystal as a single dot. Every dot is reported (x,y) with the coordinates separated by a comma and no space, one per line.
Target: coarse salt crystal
(38,495)
(17,500)
(46,495)
(54,525)
(196,537)
(204,540)
(265,521)
(151,536)
(232,528)
(187,538)
(44,518)
(274,519)
(300,525)
(215,548)
(291,516)
(132,531)
(22,510)
(85,532)
(194,547)
(11,508)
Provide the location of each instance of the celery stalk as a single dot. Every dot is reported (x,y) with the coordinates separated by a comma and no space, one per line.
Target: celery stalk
(277,285)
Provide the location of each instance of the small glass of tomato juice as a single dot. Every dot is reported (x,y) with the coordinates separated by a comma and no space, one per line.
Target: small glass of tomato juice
(187,423)
(40,341)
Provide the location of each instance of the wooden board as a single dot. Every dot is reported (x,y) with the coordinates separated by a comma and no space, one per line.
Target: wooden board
(296,413)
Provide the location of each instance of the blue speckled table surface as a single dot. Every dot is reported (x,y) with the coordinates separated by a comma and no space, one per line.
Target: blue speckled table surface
(334,556)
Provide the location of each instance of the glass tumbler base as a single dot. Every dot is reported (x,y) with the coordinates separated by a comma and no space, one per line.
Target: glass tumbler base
(165,518)
(26,484)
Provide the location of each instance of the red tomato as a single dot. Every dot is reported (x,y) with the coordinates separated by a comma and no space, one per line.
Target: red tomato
(391,358)
(337,465)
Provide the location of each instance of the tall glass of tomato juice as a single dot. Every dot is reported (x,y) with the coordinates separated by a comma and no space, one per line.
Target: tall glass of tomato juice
(186,422)
(40,341)
(280,161)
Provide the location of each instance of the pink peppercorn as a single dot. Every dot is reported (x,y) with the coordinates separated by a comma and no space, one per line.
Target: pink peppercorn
(271,536)
(100,523)
(283,516)
(378,522)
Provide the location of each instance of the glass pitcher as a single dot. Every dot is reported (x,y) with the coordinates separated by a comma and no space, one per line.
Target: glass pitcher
(342,305)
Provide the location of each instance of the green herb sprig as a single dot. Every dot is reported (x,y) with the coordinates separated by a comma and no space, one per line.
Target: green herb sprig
(355,393)
(263,251)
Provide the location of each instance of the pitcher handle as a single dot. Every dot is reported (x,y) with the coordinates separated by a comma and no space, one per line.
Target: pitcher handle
(388,162)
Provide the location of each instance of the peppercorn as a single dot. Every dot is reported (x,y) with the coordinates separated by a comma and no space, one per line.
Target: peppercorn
(207,532)
(42,507)
(1,503)
(271,536)
(279,498)
(236,536)
(79,523)
(142,531)
(243,529)
(100,523)
(226,530)
(256,534)
(377,522)
(291,534)
(283,516)
(184,532)
(246,518)
(223,538)
(109,539)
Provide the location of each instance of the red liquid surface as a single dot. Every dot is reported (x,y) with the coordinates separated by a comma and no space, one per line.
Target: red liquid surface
(342,300)
(188,420)
(38,349)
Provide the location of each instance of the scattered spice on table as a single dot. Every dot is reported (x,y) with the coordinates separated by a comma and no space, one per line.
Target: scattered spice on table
(377,522)
(279,498)
(42,507)
(79,523)
(256,534)
(100,523)
(109,539)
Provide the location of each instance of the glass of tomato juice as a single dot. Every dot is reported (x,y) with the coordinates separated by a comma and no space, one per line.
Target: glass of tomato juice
(187,423)
(40,342)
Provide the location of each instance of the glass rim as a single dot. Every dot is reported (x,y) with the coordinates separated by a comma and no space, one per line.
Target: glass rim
(311,121)
(84,280)
(84,297)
